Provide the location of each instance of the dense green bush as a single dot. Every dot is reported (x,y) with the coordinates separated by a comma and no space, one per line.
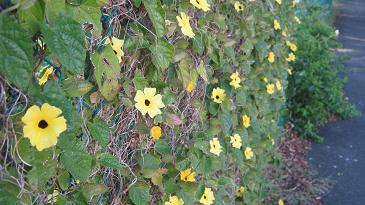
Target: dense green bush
(158,100)
(315,89)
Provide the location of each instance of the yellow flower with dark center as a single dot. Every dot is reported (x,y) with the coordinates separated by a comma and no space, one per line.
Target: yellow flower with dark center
(190,86)
(292,46)
(280,202)
(291,57)
(235,80)
(187,175)
(185,25)
(297,19)
(248,153)
(201,4)
(238,6)
(236,141)
(240,191)
(148,102)
(207,197)
(278,2)
(45,76)
(215,147)
(43,125)
(276,25)
(278,85)
(246,121)
(271,57)
(174,200)
(156,132)
(270,88)
(218,95)
(117,46)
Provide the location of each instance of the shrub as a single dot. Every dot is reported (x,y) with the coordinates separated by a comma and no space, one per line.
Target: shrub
(151,113)
(315,90)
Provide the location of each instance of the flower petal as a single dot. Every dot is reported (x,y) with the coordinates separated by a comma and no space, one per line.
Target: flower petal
(50,111)
(149,92)
(59,125)
(140,97)
(32,115)
(153,112)
(158,101)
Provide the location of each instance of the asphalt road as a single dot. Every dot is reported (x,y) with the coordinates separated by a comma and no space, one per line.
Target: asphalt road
(342,155)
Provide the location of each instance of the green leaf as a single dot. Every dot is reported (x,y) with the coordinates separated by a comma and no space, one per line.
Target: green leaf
(156,14)
(64,179)
(226,122)
(77,162)
(162,147)
(107,72)
(40,173)
(99,131)
(202,71)
(29,17)
(53,9)
(74,87)
(171,186)
(139,81)
(67,41)
(88,12)
(16,53)
(8,193)
(162,53)
(140,193)
(149,161)
(89,190)
(137,3)
(109,160)
(198,44)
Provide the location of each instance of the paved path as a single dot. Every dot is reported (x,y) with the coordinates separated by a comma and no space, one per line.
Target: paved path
(342,156)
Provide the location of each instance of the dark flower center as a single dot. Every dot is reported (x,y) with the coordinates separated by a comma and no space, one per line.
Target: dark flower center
(205,197)
(217,97)
(186,178)
(147,102)
(239,7)
(42,124)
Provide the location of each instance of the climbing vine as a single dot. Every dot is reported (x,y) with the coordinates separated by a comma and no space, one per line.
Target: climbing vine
(142,101)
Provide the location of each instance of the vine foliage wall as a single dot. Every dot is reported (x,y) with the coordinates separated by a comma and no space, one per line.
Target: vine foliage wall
(142,101)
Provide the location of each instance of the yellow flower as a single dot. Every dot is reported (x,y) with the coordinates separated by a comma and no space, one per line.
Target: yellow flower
(207,197)
(280,202)
(297,19)
(276,25)
(117,46)
(271,57)
(290,71)
(292,46)
(278,85)
(235,80)
(185,25)
(190,86)
(187,175)
(148,102)
(291,57)
(270,88)
(218,95)
(156,132)
(174,200)
(236,141)
(284,32)
(278,1)
(248,153)
(246,121)
(45,76)
(240,191)
(43,125)
(238,6)
(215,147)
(201,4)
